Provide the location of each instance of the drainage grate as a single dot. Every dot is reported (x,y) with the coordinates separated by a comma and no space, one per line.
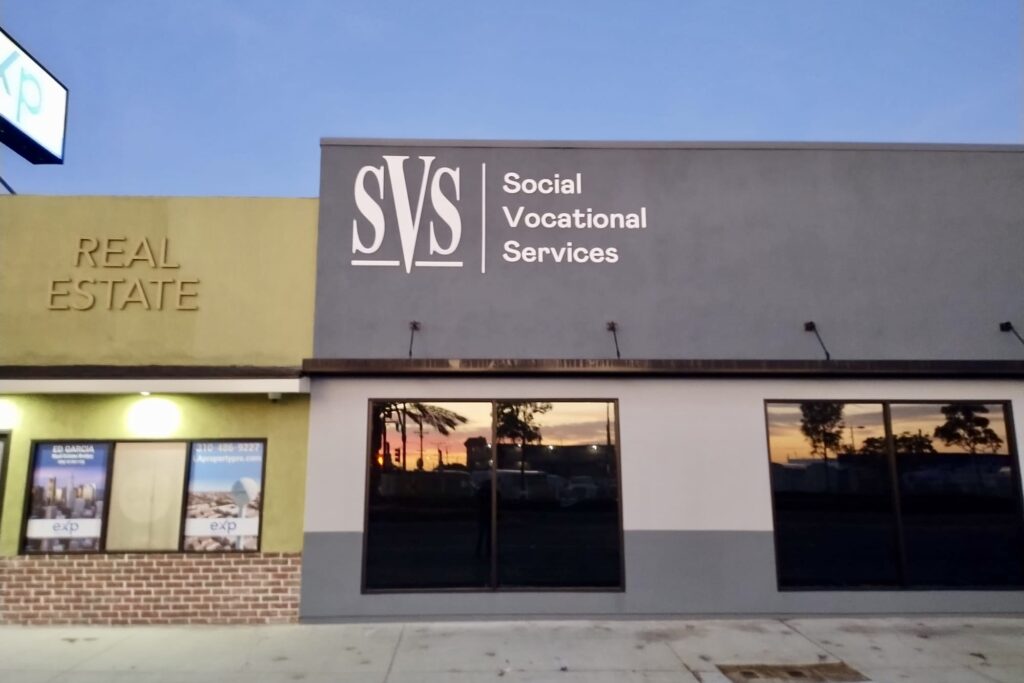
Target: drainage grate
(807,673)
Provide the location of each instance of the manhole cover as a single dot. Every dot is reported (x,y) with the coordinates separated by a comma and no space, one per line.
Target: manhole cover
(810,673)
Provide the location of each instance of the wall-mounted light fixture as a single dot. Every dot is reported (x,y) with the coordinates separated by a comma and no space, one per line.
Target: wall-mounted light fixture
(613,327)
(809,326)
(10,416)
(1008,327)
(153,417)
(414,327)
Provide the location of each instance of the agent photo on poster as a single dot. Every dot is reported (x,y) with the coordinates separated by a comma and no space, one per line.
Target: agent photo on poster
(68,497)
(225,496)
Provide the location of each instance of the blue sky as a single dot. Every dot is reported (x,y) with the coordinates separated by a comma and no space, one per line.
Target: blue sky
(231,98)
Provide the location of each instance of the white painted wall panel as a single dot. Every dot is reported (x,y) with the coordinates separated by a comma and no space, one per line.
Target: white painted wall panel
(694,452)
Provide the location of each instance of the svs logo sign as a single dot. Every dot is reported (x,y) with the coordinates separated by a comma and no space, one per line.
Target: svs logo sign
(405,212)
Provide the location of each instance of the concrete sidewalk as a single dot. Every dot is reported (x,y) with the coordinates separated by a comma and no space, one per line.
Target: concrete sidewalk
(904,650)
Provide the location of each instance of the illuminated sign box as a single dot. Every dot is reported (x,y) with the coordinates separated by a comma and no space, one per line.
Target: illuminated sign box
(33,106)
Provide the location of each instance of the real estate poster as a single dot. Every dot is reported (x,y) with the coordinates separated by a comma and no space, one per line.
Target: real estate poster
(69,493)
(225,496)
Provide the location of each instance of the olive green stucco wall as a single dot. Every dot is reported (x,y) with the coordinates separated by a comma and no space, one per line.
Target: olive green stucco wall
(282,423)
(250,264)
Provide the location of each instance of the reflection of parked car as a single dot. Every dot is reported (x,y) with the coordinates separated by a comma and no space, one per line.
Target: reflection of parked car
(580,488)
(965,479)
(607,488)
(419,484)
(925,481)
(525,485)
(585,485)
(480,478)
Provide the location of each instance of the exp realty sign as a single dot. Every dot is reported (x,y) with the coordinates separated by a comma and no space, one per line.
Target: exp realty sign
(33,106)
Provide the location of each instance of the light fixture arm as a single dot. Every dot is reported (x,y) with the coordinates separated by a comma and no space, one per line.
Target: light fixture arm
(414,327)
(1008,327)
(613,327)
(809,326)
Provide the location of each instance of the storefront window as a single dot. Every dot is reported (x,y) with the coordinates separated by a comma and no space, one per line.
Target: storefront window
(131,496)
(895,494)
(958,495)
(558,495)
(429,501)
(835,523)
(444,513)
(145,496)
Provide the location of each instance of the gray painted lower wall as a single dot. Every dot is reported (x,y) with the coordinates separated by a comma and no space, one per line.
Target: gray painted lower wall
(667,573)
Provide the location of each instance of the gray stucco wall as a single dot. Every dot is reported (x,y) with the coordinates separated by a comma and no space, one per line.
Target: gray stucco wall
(896,253)
(667,573)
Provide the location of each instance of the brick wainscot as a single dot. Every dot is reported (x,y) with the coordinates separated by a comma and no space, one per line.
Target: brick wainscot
(150,588)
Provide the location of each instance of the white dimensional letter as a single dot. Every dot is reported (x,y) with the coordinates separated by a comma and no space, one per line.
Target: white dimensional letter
(511,185)
(446,211)
(370,209)
(513,221)
(408,227)
(511,251)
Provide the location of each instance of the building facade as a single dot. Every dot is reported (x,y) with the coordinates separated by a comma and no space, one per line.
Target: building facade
(604,379)
(152,414)
(521,379)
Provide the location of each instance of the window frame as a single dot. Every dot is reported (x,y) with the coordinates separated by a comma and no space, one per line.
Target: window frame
(493,586)
(101,548)
(890,454)
(5,456)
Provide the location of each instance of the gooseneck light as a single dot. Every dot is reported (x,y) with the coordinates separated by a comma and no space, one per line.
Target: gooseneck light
(1007,326)
(613,327)
(809,326)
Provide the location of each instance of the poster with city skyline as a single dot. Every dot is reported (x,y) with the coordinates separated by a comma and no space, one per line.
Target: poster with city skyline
(225,496)
(68,497)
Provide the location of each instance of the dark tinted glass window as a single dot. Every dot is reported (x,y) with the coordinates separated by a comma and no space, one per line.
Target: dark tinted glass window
(958,495)
(557,495)
(429,497)
(835,523)
(538,509)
